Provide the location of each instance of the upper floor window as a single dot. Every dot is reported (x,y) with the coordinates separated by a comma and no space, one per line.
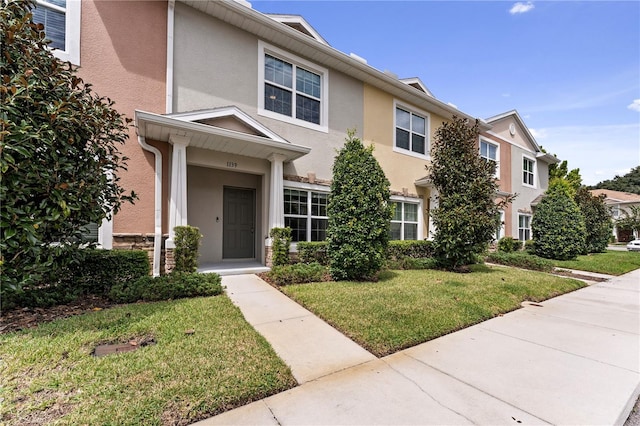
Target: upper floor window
(411,131)
(489,152)
(528,171)
(404,224)
(292,89)
(305,212)
(61,20)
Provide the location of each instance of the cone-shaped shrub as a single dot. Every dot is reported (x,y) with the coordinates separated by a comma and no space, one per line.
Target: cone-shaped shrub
(359,213)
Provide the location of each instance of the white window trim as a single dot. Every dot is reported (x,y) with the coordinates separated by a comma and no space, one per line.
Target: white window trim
(501,230)
(308,216)
(529,228)
(72,31)
(265,48)
(497,160)
(419,202)
(427,141)
(535,167)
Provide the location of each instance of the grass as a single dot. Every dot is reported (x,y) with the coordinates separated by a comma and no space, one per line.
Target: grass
(406,308)
(611,262)
(48,374)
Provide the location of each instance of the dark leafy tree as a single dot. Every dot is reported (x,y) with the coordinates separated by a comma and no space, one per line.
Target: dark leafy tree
(597,220)
(467,214)
(359,213)
(558,225)
(561,171)
(59,154)
(627,183)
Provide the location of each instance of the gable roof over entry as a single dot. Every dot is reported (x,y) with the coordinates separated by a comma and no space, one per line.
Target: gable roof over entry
(226,129)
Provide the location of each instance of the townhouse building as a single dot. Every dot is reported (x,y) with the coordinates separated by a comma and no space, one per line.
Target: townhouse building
(620,204)
(238,117)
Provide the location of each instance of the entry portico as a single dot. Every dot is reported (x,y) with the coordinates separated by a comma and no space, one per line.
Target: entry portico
(226,177)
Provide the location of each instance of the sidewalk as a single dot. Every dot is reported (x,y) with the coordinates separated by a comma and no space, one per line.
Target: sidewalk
(574,359)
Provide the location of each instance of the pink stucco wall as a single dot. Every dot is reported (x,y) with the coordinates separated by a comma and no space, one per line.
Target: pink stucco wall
(123,54)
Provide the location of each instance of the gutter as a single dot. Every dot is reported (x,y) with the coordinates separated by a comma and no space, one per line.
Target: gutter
(157,238)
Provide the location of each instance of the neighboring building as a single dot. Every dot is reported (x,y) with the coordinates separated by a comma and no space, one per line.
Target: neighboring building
(238,117)
(619,202)
(526,170)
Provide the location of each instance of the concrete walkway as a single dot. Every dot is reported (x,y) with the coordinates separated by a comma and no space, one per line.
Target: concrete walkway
(574,359)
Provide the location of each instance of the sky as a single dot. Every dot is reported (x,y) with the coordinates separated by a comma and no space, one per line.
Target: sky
(570,68)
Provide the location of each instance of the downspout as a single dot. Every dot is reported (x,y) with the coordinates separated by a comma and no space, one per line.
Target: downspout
(157,239)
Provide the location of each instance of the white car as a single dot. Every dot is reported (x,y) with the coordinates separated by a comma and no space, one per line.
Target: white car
(634,245)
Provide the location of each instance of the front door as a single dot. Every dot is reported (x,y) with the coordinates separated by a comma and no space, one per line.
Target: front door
(238,223)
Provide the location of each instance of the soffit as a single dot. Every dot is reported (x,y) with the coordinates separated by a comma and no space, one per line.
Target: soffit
(166,129)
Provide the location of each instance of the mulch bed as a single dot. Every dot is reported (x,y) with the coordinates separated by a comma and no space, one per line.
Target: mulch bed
(24,318)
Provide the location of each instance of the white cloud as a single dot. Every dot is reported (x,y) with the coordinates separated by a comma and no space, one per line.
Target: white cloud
(635,105)
(539,134)
(506,95)
(521,7)
(584,148)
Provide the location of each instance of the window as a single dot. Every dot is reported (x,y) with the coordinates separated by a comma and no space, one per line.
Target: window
(528,167)
(61,20)
(489,152)
(404,223)
(305,212)
(411,131)
(615,212)
(524,227)
(292,89)
(500,229)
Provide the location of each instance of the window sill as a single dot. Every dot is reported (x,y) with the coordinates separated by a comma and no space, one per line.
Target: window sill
(411,153)
(285,118)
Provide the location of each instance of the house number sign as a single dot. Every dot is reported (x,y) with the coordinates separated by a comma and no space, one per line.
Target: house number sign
(232,164)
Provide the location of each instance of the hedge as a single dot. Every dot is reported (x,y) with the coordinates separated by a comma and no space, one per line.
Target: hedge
(96,274)
(166,287)
(521,260)
(299,273)
(313,251)
(416,249)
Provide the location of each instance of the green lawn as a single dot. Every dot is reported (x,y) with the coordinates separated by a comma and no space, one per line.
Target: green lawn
(611,262)
(48,374)
(406,308)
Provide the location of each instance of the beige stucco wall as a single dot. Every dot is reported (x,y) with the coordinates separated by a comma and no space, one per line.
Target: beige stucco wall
(501,127)
(402,170)
(123,54)
(223,70)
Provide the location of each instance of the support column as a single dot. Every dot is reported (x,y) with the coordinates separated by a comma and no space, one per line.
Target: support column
(276,193)
(178,189)
(433,203)
(276,201)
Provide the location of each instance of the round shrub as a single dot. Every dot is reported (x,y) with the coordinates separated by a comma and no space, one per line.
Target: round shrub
(558,226)
(508,245)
